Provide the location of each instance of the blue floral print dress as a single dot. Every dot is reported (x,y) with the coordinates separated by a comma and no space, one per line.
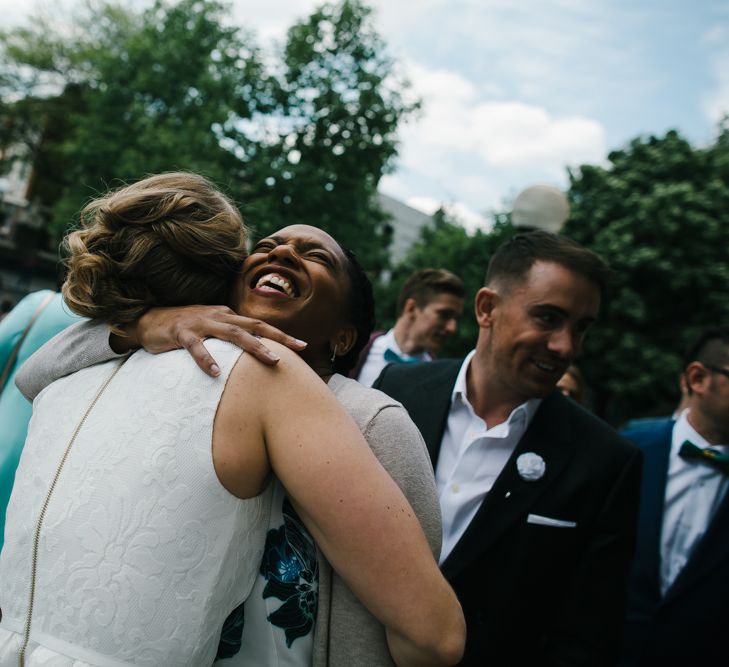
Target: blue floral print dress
(275,625)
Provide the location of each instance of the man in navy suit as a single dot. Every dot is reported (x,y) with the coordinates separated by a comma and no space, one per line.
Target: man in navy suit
(539,497)
(678,604)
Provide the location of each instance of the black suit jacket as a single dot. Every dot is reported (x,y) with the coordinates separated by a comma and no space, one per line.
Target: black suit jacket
(688,625)
(535,594)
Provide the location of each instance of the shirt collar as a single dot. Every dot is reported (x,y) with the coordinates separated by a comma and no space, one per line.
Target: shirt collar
(459,388)
(683,431)
(525,411)
(390,342)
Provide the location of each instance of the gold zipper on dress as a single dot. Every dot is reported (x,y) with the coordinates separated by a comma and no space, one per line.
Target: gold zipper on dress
(41,516)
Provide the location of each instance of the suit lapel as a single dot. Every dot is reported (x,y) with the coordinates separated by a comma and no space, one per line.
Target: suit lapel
(647,564)
(429,404)
(511,496)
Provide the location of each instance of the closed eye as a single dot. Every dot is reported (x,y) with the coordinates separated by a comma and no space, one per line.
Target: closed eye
(263,246)
(320,255)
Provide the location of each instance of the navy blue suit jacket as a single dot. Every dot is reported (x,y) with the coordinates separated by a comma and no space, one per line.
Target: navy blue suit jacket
(687,626)
(535,594)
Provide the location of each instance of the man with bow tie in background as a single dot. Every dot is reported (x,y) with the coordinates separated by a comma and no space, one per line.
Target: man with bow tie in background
(539,497)
(678,605)
(429,307)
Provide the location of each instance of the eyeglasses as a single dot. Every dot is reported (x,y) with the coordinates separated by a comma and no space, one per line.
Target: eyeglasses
(717,369)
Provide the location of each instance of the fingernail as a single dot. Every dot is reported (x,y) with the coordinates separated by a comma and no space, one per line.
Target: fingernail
(301,342)
(215,370)
(272,356)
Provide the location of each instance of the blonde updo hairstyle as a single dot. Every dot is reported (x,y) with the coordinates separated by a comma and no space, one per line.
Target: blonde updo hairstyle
(168,240)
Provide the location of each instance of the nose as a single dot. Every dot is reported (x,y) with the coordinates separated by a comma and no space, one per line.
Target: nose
(451,326)
(284,254)
(564,343)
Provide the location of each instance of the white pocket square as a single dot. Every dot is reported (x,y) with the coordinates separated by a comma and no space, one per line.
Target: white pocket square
(546,521)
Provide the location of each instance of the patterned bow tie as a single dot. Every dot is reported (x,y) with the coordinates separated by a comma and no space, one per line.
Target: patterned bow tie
(394,357)
(691,452)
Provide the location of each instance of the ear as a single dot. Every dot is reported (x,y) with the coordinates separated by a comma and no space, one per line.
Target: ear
(485,303)
(697,377)
(343,339)
(409,306)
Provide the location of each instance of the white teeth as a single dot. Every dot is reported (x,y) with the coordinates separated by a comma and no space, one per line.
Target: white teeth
(545,367)
(275,279)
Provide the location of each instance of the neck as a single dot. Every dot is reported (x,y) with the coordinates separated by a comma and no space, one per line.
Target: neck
(319,361)
(706,428)
(407,344)
(324,372)
(489,398)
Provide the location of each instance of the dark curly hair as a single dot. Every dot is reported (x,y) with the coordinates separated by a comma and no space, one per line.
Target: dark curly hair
(361,311)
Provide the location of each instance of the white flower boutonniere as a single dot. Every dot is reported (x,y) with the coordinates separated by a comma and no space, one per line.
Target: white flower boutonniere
(531,466)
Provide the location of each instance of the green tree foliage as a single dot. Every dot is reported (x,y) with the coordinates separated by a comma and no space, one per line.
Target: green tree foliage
(447,245)
(659,214)
(342,103)
(301,138)
(129,94)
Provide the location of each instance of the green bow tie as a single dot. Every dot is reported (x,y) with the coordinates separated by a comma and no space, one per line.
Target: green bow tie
(394,357)
(691,452)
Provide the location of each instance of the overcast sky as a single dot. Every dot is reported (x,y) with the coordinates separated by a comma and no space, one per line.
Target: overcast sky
(514,92)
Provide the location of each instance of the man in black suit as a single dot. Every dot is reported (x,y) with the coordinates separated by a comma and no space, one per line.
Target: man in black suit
(678,601)
(539,497)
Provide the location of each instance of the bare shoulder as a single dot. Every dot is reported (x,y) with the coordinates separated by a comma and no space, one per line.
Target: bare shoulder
(290,364)
(288,380)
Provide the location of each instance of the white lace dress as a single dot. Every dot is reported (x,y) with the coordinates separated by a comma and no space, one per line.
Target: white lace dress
(142,553)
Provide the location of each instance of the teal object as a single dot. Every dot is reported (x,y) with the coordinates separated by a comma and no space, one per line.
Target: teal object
(393,357)
(15,409)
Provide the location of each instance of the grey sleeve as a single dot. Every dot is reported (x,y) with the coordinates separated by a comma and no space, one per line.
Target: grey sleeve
(399,447)
(355,637)
(81,345)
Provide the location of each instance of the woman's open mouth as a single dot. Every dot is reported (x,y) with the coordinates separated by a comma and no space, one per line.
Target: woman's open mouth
(273,281)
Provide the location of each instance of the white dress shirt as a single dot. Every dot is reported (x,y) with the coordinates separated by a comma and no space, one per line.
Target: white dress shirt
(472,456)
(694,491)
(375,361)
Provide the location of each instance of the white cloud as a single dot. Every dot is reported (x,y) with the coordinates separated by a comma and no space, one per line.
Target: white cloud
(479,150)
(716,102)
(425,204)
(441,84)
(513,133)
(464,214)
(467,216)
(270,20)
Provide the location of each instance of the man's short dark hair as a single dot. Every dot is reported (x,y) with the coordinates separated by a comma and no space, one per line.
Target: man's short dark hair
(711,347)
(425,285)
(361,311)
(514,258)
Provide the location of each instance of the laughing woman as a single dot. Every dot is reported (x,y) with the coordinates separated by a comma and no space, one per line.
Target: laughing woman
(142,499)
